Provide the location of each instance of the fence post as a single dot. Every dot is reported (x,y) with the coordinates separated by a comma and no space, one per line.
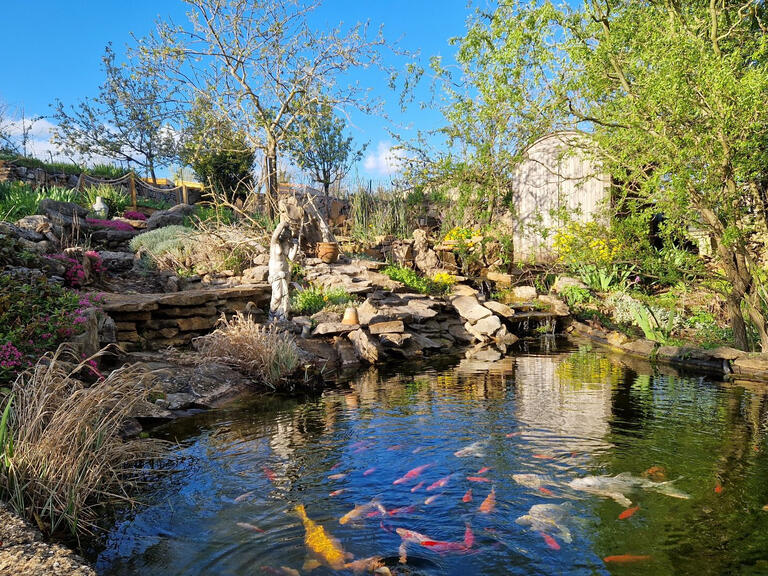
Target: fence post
(184,195)
(80,183)
(132,184)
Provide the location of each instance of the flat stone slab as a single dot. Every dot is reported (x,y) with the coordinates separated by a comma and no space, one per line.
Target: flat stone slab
(139,302)
(395,326)
(499,308)
(333,328)
(469,308)
(394,340)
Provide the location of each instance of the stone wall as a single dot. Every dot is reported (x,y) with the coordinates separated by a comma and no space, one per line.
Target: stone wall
(154,321)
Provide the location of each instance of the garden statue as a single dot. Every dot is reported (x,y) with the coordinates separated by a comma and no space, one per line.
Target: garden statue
(282,248)
(100,208)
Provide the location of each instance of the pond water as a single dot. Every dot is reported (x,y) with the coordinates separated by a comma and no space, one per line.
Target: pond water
(554,417)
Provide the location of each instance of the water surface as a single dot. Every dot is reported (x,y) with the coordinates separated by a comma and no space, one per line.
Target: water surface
(559,415)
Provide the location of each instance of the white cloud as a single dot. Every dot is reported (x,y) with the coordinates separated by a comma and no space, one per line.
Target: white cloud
(384,161)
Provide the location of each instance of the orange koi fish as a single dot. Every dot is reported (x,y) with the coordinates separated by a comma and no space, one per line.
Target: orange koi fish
(419,485)
(628,512)
(324,548)
(718,488)
(270,474)
(469,537)
(655,473)
(478,479)
(411,474)
(369,471)
(543,456)
(468,496)
(551,542)
(482,471)
(545,491)
(626,558)
(489,504)
(439,484)
(440,546)
(431,499)
(513,434)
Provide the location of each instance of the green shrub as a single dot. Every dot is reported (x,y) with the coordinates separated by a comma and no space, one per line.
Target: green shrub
(107,171)
(417,283)
(114,198)
(153,203)
(315,298)
(153,240)
(576,296)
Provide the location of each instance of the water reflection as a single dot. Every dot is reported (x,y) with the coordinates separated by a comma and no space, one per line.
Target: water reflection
(555,417)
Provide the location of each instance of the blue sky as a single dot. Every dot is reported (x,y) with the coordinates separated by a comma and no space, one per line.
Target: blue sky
(52,49)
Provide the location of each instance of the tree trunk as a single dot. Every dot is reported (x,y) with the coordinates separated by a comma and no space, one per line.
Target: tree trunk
(733,305)
(272,184)
(326,191)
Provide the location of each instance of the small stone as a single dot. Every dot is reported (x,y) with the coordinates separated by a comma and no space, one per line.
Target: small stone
(524,293)
(393,340)
(395,326)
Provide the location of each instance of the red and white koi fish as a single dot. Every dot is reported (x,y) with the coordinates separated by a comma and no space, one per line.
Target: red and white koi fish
(467,496)
(439,484)
(402,510)
(248,526)
(411,536)
(440,546)
(431,499)
(411,474)
(489,504)
(337,492)
(396,447)
(478,479)
(419,485)
(369,471)
(370,510)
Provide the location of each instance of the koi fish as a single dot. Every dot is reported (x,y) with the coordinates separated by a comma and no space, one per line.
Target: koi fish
(322,546)
(469,537)
(482,471)
(467,496)
(411,536)
(248,526)
(545,491)
(283,571)
(365,565)
(548,518)
(396,447)
(419,485)
(718,488)
(269,473)
(512,434)
(337,492)
(431,499)
(543,456)
(489,504)
(402,510)
(628,512)
(440,546)
(439,484)
(615,487)
(373,508)
(369,471)
(243,497)
(626,558)
(337,476)
(478,479)
(551,542)
(411,474)
(476,449)
(655,473)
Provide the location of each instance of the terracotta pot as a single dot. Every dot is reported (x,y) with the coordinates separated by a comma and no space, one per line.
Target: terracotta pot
(328,252)
(350,317)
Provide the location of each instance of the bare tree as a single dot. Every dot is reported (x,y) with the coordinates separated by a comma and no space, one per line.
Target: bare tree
(264,64)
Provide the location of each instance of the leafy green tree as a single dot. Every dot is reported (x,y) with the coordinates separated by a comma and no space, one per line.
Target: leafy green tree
(671,94)
(321,148)
(266,63)
(219,154)
(127,122)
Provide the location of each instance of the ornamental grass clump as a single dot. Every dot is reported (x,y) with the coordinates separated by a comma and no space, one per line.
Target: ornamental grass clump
(266,354)
(61,455)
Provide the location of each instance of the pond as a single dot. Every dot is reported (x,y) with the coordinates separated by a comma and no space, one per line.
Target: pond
(564,461)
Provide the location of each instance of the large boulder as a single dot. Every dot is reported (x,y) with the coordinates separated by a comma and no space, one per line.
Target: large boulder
(424,257)
(62,213)
(172,216)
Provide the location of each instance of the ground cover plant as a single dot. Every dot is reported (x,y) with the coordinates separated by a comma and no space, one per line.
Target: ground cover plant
(35,317)
(439,285)
(312,299)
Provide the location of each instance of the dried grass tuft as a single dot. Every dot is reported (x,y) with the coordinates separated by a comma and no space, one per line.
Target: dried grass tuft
(62,457)
(264,353)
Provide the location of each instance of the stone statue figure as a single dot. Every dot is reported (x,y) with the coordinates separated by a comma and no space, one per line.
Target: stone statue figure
(282,249)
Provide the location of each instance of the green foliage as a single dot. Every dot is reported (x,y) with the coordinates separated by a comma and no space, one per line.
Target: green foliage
(50,167)
(113,197)
(218,152)
(417,283)
(320,146)
(708,333)
(379,214)
(314,298)
(576,296)
(18,199)
(153,203)
(107,171)
(208,213)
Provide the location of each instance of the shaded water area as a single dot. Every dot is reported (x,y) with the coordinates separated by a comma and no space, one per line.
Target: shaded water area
(555,416)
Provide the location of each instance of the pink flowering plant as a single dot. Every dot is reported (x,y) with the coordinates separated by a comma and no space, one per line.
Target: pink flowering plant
(113,224)
(35,317)
(74,275)
(133,215)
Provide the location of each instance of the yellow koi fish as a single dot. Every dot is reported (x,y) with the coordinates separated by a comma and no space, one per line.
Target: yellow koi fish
(322,546)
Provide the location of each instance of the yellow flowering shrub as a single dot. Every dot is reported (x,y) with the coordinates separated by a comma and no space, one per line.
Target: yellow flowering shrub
(586,243)
(460,233)
(444,279)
